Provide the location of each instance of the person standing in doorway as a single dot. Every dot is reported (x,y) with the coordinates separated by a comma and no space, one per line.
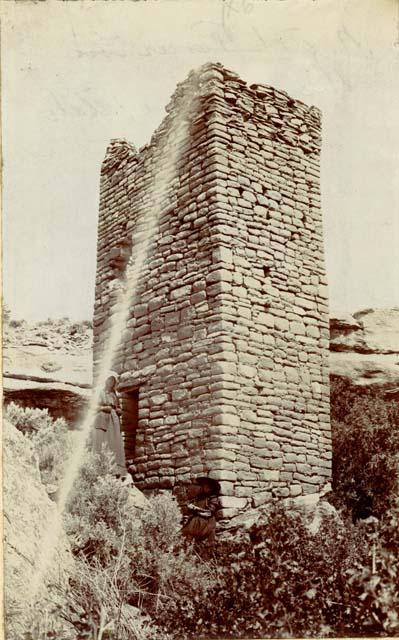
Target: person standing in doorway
(107,428)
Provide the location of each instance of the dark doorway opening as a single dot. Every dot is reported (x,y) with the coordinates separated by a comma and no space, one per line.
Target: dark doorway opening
(129,422)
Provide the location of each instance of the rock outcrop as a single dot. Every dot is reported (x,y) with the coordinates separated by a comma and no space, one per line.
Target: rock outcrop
(29,517)
(48,365)
(364,349)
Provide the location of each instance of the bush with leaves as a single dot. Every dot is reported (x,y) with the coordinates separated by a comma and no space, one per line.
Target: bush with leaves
(365,433)
(280,581)
(375,585)
(141,548)
(51,439)
(283,581)
(95,607)
(89,607)
(27,419)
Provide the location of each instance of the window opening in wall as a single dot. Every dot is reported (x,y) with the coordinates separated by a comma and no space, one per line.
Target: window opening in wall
(266,271)
(130,419)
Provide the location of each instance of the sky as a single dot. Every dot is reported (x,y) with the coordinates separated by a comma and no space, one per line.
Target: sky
(76,74)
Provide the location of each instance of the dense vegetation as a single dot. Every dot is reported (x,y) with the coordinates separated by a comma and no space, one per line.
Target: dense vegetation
(135,578)
(365,433)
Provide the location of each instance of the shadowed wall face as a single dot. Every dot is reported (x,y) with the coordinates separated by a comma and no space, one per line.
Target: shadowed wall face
(226,344)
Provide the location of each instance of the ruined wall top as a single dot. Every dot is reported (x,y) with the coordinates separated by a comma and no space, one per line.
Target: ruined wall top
(284,118)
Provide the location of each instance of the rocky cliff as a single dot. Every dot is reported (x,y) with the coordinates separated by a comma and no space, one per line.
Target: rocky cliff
(28,523)
(364,349)
(48,365)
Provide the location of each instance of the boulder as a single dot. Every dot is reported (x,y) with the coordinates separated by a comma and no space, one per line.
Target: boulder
(313,507)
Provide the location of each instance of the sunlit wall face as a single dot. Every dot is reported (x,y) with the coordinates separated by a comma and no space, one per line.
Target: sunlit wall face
(158,194)
(225,346)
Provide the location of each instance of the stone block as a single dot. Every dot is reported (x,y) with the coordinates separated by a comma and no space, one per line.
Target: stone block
(158,400)
(227,488)
(304,303)
(184,333)
(172,318)
(232,502)
(224,368)
(297,328)
(229,419)
(180,292)
(266,319)
(197,298)
(246,371)
(218,288)
(266,463)
(270,475)
(220,454)
(295,490)
(155,303)
(309,489)
(223,474)
(178,395)
(252,283)
(239,292)
(274,195)
(261,498)
(249,196)
(281,324)
(242,492)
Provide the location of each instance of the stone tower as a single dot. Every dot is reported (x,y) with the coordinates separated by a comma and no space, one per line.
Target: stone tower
(224,352)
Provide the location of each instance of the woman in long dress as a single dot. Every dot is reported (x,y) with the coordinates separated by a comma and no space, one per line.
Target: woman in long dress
(107,428)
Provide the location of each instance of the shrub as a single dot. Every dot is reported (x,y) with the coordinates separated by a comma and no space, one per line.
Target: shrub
(96,608)
(51,439)
(53,445)
(365,432)
(278,581)
(376,584)
(15,324)
(89,607)
(77,328)
(97,510)
(142,548)
(27,419)
(281,580)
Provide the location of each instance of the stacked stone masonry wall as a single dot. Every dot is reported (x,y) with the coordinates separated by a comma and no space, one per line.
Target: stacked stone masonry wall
(227,336)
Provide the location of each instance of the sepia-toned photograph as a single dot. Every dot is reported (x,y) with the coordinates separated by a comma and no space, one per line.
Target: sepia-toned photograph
(200,319)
